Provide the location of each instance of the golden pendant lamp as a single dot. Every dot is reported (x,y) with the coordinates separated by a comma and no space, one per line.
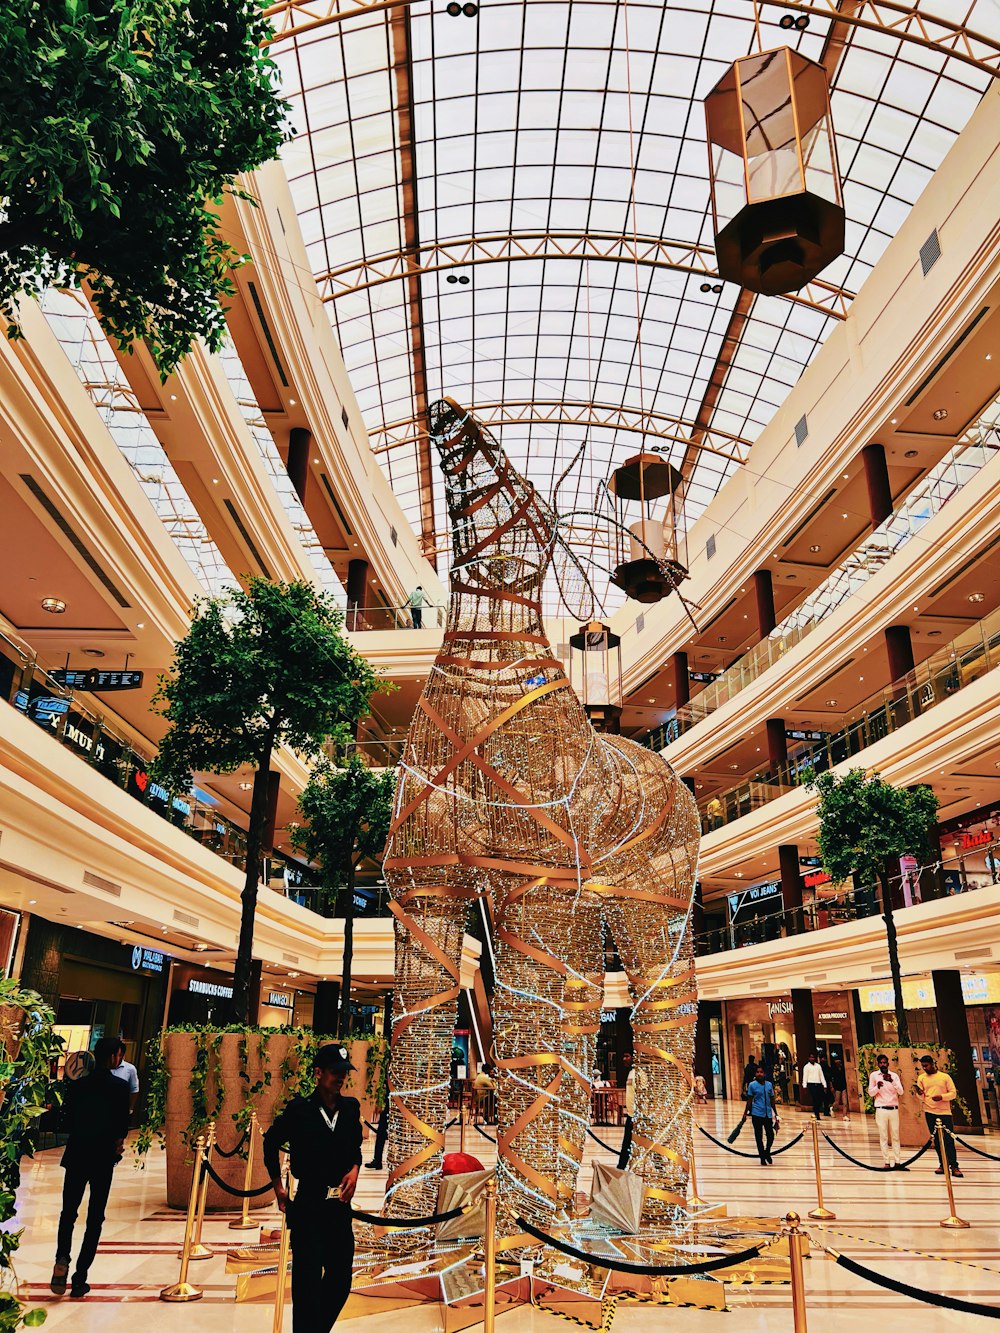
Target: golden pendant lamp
(776,197)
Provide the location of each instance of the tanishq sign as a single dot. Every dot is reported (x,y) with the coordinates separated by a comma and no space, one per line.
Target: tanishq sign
(776,1007)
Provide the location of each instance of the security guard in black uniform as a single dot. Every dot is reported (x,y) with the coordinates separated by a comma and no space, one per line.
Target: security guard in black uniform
(323,1134)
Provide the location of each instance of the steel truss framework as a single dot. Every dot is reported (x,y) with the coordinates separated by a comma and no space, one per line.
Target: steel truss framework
(903,20)
(556,412)
(647,251)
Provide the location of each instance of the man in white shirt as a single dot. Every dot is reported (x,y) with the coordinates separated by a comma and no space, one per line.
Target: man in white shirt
(130,1075)
(885,1090)
(814,1082)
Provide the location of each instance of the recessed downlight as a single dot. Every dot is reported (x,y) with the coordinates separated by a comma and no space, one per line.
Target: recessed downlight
(973,597)
(941,414)
(55,606)
(814,548)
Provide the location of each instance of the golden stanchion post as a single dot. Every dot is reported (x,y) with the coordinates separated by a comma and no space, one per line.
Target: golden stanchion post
(182,1289)
(952,1220)
(279,1290)
(819,1213)
(198,1250)
(490,1294)
(796,1252)
(693,1200)
(244,1222)
(461,1117)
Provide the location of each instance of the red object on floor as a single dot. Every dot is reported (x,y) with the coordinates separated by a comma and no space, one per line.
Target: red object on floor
(457,1163)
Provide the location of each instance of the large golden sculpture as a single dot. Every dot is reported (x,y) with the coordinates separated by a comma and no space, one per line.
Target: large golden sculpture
(507,792)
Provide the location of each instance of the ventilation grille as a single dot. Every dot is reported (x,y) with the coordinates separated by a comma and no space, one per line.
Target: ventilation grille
(930,252)
(186,918)
(801,431)
(974,953)
(267,334)
(99,882)
(640,622)
(815,976)
(290,957)
(710,546)
(74,540)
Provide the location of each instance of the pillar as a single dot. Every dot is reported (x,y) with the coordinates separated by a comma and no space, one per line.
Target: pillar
(763,587)
(357,593)
(864,1022)
(877,481)
(804,1025)
(953,1032)
(791,888)
(703,1047)
(777,745)
(299,444)
(326,1007)
(899,646)
(680,679)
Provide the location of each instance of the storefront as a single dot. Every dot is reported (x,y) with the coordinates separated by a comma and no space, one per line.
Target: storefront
(97,986)
(763,1029)
(970,850)
(199,995)
(755,914)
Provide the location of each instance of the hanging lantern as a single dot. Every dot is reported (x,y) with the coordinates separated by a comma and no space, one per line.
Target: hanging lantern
(776,200)
(650,563)
(595,672)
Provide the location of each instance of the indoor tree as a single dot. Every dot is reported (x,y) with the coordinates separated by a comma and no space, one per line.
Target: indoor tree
(260,667)
(125,121)
(866,824)
(347,812)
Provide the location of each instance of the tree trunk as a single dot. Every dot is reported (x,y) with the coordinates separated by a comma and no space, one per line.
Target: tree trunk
(902,1028)
(240,1011)
(344,1017)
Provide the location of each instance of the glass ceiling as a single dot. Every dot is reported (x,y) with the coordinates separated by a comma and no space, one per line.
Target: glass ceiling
(415,128)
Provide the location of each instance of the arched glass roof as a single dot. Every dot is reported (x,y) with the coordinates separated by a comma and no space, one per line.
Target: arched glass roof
(465,186)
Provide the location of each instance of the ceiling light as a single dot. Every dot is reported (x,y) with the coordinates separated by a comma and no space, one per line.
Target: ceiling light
(32,901)
(910,453)
(652,701)
(215,481)
(861,678)
(201,947)
(141,625)
(989,356)
(916,608)
(814,549)
(846,475)
(831,703)
(292,402)
(734,767)
(245,786)
(894,421)
(941,414)
(93,652)
(973,597)
(173,398)
(934,634)
(54,605)
(739,874)
(722,638)
(843,516)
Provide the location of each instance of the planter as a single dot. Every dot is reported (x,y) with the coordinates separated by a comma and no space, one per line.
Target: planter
(225,1094)
(906,1063)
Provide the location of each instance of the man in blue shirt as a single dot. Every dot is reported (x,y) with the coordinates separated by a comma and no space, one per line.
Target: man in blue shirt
(760,1109)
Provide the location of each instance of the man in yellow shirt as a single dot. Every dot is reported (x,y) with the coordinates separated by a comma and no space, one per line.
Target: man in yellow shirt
(938,1093)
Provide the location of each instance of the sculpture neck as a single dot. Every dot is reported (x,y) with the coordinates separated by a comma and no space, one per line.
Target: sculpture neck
(508,624)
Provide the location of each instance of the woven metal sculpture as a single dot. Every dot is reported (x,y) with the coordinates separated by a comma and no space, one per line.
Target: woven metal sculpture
(507,792)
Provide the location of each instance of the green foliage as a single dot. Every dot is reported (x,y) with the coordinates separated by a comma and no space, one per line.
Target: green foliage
(868,1061)
(28,1049)
(259,667)
(865,821)
(125,121)
(347,812)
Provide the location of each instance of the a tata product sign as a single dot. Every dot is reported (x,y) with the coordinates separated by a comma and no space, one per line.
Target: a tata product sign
(212,988)
(832,1016)
(147,960)
(977,988)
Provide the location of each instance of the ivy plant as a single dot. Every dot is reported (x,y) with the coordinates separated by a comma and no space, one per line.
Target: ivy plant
(28,1052)
(868,1062)
(125,122)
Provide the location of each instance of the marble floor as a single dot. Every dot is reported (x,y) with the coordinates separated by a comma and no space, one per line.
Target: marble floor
(889,1222)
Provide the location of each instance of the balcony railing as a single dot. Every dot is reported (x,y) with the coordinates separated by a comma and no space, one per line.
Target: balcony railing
(834,905)
(941,484)
(950,669)
(360,618)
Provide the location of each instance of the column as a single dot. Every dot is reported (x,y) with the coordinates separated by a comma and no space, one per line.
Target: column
(763,587)
(299,444)
(791,888)
(703,1047)
(804,1025)
(864,1023)
(777,745)
(325,1008)
(953,1032)
(899,646)
(357,594)
(877,481)
(680,679)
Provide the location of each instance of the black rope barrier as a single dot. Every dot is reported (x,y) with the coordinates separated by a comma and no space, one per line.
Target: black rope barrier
(411,1222)
(373,1128)
(606,1146)
(643,1270)
(980,1152)
(915,1293)
(865,1166)
(221,1152)
(230,1189)
(752,1155)
(488,1137)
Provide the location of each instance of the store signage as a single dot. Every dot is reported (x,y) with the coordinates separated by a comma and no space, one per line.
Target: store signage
(97,680)
(608,1016)
(966,841)
(213,988)
(816,878)
(147,959)
(811,861)
(704,677)
(278,999)
(797,735)
(977,988)
(776,1007)
(832,1016)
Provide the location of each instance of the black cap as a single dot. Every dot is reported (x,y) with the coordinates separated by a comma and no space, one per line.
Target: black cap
(333,1057)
